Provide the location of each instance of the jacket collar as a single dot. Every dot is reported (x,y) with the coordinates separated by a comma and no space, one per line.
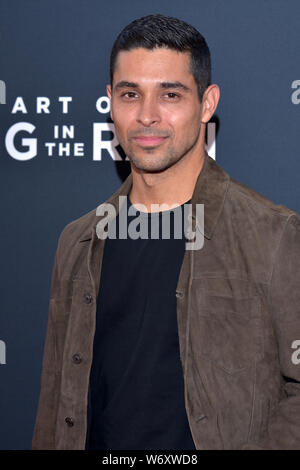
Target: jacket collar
(210,190)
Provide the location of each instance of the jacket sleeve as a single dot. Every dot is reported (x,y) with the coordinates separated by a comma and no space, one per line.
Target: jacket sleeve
(283,431)
(44,431)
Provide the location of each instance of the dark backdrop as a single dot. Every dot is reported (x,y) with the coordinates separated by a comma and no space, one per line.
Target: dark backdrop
(61,48)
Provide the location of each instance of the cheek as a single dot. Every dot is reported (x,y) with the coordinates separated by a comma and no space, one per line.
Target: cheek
(124,121)
(121,127)
(183,124)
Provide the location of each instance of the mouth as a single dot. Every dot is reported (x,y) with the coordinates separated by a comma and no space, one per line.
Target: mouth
(149,141)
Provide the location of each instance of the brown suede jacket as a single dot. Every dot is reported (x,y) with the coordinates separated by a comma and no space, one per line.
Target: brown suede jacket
(238,312)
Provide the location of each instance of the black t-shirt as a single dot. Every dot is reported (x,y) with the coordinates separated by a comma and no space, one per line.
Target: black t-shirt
(136,394)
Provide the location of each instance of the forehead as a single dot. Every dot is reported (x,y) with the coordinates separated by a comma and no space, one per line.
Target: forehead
(142,65)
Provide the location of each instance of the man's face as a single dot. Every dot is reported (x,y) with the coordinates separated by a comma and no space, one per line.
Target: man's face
(155,107)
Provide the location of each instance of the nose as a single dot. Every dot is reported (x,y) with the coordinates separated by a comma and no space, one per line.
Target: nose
(148,112)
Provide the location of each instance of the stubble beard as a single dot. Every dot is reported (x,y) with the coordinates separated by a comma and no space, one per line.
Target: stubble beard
(151,163)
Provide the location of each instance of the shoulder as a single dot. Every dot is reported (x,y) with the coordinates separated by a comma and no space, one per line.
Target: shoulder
(79,228)
(254,202)
(82,228)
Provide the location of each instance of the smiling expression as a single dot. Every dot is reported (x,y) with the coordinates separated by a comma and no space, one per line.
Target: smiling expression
(155,107)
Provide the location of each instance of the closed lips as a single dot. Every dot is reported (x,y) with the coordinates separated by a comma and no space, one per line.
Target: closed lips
(149,139)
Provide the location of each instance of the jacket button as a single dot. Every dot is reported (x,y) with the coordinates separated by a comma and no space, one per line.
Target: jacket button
(76,359)
(179,294)
(69,421)
(88,298)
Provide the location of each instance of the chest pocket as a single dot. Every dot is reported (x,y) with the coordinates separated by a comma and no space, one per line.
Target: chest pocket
(228,330)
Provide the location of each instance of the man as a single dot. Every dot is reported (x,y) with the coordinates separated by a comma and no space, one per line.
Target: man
(173,348)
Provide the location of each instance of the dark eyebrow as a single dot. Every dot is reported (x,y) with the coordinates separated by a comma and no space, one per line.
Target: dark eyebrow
(164,85)
(174,85)
(125,84)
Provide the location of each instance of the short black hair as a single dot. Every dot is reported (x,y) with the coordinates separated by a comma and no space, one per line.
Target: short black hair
(154,31)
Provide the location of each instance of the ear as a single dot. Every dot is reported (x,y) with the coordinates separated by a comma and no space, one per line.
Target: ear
(210,101)
(109,94)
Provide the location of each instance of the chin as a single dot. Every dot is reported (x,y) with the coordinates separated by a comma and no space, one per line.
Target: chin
(150,163)
(145,164)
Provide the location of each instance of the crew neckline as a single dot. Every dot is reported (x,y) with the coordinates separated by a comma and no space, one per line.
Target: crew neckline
(158,212)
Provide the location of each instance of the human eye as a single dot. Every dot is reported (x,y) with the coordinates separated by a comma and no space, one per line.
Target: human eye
(171,96)
(129,95)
